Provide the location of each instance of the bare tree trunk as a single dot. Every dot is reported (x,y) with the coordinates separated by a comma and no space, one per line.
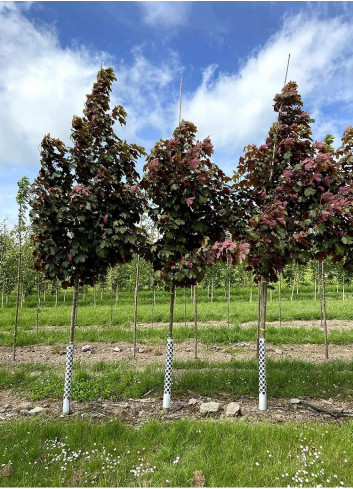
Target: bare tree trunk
(228,295)
(343,294)
(262,349)
(185,306)
(95,294)
(258,319)
(38,302)
(195,318)
(324,308)
(169,356)
(17,295)
(65,295)
(315,286)
(116,295)
(271,295)
(293,286)
(70,353)
(153,303)
(212,288)
(280,299)
(135,302)
(56,297)
(251,284)
(111,305)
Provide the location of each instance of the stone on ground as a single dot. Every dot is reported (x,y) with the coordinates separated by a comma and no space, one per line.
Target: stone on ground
(210,407)
(87,348)
(233,409)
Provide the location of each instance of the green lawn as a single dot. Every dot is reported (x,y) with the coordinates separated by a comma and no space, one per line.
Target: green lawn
(286,378)
(39,453)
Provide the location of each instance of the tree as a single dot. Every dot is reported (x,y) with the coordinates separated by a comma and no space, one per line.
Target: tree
(188,195)
(85,202)
(260,216)
(22,201)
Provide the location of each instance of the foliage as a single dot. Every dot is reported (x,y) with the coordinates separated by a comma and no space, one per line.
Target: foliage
(85,202)
(188,194)
(260,172)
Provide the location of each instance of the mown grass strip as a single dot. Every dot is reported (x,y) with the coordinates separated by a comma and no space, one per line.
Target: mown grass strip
(286,378)
(208,335)
(71,453)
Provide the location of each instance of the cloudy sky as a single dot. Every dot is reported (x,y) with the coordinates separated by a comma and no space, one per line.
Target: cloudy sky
(232,57)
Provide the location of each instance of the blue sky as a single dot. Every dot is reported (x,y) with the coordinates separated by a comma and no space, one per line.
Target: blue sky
(232,56)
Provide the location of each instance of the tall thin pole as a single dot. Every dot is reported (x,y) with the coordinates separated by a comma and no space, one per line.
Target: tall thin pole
(180,94)
(285,78)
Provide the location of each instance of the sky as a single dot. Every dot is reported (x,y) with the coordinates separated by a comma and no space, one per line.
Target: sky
(231,55)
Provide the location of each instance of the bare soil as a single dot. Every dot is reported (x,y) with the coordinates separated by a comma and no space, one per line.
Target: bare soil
(332,324)
(138,411)
(145,354)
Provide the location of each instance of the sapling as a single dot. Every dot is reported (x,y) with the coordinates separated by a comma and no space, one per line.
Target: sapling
(188,194)
(85,203)
(22,201)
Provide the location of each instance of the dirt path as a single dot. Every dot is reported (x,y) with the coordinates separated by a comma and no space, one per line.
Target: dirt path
(332,324)
(138,411)
(55,355)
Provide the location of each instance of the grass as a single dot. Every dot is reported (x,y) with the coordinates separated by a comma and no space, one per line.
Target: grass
(208,335)
(94,322)
(42,453)
(114,381)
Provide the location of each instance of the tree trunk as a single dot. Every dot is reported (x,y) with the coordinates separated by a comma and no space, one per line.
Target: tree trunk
(343,295)
(65,291)
(271,295)
(38,302)
(258,319)
(70,353)
(293,287)
(95,294)
(315,286)
(185,306)
(169,356)
(135,302)
(56,297)
(195,318)
(250,299)
(153,302)
(111,305)
(212,287)
(228,295)
(17,294)
(116,295)
(324,308)
(280,299)
(262,348)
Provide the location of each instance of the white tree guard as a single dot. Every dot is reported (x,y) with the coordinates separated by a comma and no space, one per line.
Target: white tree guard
(168,374)
(262,375)
(68,379)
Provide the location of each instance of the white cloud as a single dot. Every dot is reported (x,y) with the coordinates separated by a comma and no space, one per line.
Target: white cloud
(235,108)
(165,14)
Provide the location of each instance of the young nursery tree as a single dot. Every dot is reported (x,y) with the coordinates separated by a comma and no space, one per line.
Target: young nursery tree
(85,202)
(264,216)
(319,193)
(22,201)
(188,194)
